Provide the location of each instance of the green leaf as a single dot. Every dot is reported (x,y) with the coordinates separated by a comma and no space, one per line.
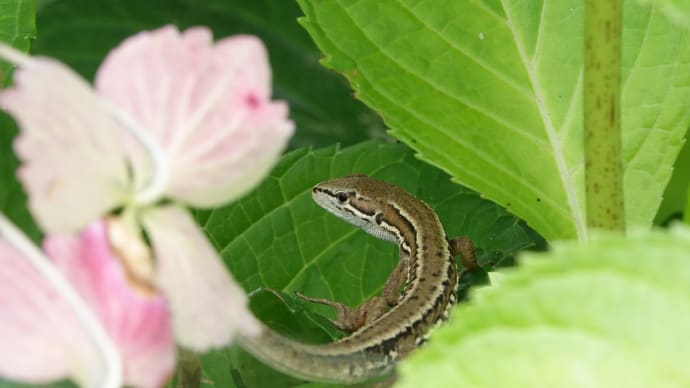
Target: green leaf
(611,314)
(13,202)
(278,237)
(292,317)
(16,28)
(676,193)
(491,92)
(677,11)
(302,322)
(81,32)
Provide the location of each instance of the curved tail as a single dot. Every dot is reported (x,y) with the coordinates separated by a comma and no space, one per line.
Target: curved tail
(331,363)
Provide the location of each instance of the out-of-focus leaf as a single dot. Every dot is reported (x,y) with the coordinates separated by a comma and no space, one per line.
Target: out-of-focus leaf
(17,28)
(676,10)
(611,314)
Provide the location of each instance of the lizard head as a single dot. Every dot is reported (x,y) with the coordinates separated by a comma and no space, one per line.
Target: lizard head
(357,199)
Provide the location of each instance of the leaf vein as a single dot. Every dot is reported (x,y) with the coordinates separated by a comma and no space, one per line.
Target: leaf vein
(442,90)
(494,72)
(570,190)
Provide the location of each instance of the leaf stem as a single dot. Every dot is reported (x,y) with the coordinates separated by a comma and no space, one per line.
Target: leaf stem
(602,133)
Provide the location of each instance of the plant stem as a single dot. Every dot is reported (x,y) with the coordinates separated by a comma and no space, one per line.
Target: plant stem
(602,141)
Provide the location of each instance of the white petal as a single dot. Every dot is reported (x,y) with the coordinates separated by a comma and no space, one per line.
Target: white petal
(208,307)
(73,161)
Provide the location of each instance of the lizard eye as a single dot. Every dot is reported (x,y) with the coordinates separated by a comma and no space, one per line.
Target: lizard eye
(342,197)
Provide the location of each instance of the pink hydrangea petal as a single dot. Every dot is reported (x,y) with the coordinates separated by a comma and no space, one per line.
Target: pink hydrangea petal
(208,307)
(237,164)
(208,106)
(73,163)
(139,325)
(42,339)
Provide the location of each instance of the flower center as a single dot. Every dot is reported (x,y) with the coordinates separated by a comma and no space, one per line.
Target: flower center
(134,255)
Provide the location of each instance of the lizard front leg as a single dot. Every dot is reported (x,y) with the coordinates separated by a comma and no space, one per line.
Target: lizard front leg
(350,319)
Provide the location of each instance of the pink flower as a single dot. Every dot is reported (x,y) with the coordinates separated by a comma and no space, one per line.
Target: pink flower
(206,106)
(45,339)
(192,120)
(172,116)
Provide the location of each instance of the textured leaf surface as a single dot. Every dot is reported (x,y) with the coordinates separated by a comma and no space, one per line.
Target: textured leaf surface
(490,91)
(81,32)
(612,314)
(278,237)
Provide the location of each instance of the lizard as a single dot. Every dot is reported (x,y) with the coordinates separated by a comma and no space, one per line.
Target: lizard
(387,327)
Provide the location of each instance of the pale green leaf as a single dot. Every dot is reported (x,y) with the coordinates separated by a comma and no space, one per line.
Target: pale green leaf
(278,237)
(491,92)
(612,314)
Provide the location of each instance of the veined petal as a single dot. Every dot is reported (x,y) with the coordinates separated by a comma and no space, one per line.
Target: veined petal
(208,307)
(139,325)
(42,338)
(74,166)
(207,106)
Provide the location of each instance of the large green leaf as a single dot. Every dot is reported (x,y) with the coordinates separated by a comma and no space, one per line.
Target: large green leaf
(81,32)
(612,314)
(278,237)
(490,91)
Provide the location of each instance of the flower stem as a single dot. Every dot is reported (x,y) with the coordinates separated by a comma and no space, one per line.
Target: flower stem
(602,133)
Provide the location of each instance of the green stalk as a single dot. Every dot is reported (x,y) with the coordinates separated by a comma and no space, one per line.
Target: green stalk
(602,92)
